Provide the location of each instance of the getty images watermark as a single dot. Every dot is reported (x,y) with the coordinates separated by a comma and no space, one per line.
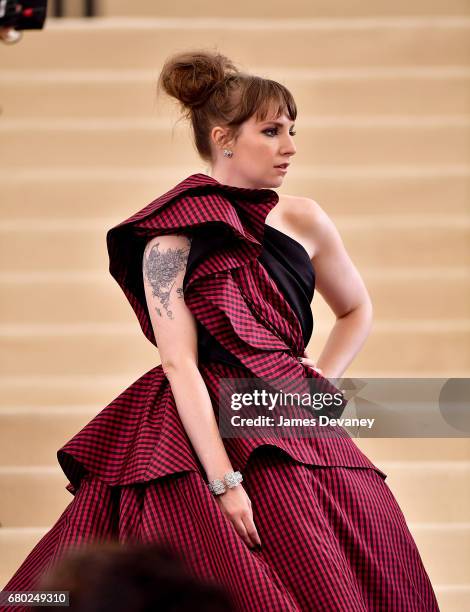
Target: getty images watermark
(359,407)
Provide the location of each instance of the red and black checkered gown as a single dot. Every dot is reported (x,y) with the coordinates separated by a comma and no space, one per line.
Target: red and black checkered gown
(333,536)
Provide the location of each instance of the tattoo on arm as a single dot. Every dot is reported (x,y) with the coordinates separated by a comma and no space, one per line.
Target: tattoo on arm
(161,269)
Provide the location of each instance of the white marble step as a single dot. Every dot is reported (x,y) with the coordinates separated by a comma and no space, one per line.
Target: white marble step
(122,350)
(80,244)
(355,92)
(372,141)
(325,42)
(99,191)
(279,9)
(90,298)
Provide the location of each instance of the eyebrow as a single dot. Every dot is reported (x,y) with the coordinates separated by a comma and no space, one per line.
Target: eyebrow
(278,123)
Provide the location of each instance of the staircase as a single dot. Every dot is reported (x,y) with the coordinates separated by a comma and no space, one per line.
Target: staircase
(383,144)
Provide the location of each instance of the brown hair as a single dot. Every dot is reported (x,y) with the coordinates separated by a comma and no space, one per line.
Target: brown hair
(212,91)
(107,576)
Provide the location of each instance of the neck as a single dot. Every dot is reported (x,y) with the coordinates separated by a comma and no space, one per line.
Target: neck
(226,177)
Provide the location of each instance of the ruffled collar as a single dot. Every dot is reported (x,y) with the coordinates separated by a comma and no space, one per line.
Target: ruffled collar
(199,179)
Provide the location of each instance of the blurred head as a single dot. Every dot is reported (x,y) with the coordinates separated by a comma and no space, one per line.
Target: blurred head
(249,116)
(132,578)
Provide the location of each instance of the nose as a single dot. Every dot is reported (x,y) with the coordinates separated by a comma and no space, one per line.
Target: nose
(289,146)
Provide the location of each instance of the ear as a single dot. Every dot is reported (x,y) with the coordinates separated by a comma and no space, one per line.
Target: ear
(222,136)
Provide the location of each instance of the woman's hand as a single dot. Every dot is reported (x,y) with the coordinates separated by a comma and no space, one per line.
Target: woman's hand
(305,360)
(236,506)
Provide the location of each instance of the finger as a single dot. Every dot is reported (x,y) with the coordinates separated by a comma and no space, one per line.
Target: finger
(242,532)
(243,523)
(253,535)
(251,530)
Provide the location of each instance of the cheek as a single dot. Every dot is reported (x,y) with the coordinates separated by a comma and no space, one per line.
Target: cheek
(257,152)
(264,148)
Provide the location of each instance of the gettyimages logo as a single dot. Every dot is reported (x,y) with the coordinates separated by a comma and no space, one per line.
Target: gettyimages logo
(362,407)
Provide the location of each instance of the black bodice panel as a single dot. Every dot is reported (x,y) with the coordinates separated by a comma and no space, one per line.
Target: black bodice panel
(287,263)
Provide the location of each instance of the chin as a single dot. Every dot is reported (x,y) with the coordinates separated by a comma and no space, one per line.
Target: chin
(272,182)
(278,182)
(272,185)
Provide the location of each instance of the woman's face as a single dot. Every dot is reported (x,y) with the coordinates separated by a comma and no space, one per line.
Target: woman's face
(258,149)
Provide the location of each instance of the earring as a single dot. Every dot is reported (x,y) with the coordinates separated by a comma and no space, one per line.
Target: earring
(228,153)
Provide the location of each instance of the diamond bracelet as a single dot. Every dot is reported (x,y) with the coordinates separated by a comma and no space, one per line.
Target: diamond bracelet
(231,479)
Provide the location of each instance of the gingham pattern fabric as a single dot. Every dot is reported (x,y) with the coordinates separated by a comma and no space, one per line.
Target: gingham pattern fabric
(323,508)
(139,436)
(333,538)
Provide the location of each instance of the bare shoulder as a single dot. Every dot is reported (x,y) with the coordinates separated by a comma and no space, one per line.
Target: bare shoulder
(307,219)
(305,209)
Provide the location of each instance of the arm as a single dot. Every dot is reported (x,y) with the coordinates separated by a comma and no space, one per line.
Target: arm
(164,265)
(340,284)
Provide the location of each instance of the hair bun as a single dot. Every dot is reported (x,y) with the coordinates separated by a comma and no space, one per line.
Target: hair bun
(191,77)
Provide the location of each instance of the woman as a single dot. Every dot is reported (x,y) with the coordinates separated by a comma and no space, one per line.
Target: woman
(219,273)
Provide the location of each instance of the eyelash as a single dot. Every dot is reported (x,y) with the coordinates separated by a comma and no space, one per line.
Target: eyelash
(275,129)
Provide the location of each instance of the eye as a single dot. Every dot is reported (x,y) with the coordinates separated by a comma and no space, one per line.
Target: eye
(293,133)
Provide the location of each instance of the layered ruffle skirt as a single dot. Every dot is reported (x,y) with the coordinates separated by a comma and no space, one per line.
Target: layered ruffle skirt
(333,536)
